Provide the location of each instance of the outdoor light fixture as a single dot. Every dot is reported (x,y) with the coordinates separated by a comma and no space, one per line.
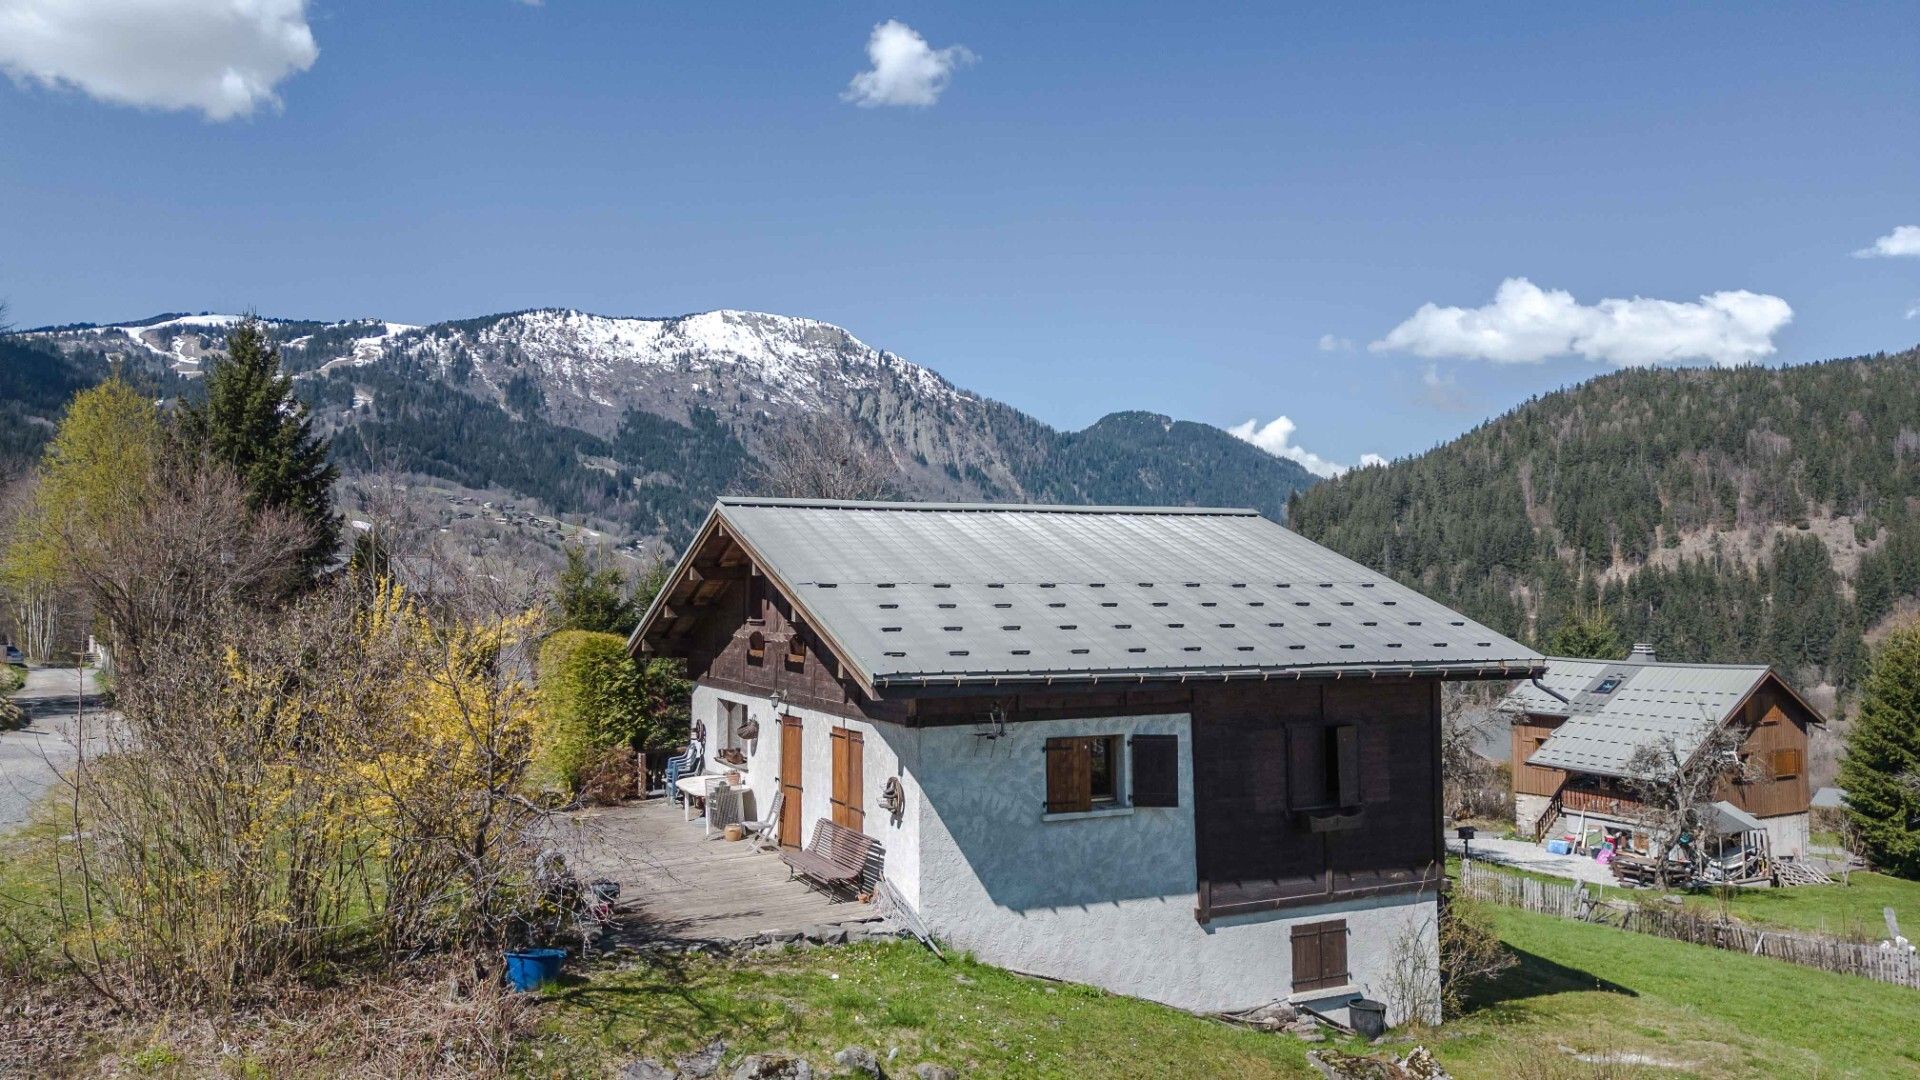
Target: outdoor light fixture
(1466,833)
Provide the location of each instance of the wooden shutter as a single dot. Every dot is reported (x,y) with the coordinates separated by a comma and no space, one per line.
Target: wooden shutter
(1069,776)
(1346,749)
(1376,763)
(838,775)
(1306,766)
(1156,770)
(1786,763)
(1319,955)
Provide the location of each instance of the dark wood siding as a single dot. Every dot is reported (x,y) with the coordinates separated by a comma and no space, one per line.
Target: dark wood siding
(1274,763)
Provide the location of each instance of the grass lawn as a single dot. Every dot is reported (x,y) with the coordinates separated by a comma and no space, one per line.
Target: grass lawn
(1705,1012)
(981,1021)
(1848,911)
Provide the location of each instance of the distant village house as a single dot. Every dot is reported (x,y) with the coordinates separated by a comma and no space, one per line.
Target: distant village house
(1575,732)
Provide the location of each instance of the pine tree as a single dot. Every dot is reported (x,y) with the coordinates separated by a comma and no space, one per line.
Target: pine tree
(594,599)
(252,421)
(1587,636)
(1881,771)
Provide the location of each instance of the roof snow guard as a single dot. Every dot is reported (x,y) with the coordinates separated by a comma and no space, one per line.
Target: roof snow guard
(930,594)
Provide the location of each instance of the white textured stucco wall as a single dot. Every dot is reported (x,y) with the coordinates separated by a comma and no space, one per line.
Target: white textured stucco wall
(1108,900)
(882,745)
(1105,899)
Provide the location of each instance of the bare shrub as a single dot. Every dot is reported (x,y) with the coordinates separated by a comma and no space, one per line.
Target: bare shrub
(181,546)
(1437,964)
(823,456)
(1474,786)
(338,779)
(609,778)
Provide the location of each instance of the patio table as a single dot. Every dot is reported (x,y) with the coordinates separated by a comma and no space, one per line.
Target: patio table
(698,787)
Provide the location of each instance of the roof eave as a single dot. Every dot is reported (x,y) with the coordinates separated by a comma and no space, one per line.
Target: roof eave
(1511,669)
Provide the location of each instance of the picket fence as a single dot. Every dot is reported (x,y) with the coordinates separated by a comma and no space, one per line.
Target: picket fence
(1810,950)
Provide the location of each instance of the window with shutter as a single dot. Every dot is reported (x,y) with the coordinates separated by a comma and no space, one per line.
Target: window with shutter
(1156,770)
(1786,763)
(1320,955)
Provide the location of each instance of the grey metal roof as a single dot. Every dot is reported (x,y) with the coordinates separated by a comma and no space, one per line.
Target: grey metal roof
(1653,702)
(948,593)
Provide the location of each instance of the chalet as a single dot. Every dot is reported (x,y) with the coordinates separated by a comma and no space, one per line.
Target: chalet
(1575,730)
(1180,754)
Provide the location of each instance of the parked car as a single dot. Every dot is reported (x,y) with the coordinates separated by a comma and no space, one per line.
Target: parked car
(15,656)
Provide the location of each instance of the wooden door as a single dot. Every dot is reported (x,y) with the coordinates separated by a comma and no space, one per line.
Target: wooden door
(790,764)
(849,779)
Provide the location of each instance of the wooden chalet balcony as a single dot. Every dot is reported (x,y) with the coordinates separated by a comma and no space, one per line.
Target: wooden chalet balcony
(1579,801)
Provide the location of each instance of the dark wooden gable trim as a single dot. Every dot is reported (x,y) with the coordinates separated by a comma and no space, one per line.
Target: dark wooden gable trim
(691,589)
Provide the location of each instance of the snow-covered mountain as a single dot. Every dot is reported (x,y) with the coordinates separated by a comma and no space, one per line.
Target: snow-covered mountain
(647,418)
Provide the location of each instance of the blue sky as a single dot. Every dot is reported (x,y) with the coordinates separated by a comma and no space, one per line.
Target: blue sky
(1211,213)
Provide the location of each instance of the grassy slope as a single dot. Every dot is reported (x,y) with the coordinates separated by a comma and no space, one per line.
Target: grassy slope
(980,1020)
(1847,911)
(1714,1013)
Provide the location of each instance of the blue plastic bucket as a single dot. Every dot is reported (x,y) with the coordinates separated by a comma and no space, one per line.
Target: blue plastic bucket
(531,969)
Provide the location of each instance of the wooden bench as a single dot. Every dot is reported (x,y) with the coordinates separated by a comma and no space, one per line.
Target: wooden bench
(836,856)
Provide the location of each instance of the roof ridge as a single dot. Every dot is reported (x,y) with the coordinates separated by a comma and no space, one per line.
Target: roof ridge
(1005,508)
(1658,664)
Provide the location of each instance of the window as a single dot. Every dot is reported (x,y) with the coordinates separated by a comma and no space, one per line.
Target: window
(756,648)
(796,652)
(1098,772)
(1324,771)
(1103,764)
(757,600)
(1608,685)
(1320,955)
(1786,763)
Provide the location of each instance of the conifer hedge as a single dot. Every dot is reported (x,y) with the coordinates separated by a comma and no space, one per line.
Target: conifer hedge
(596,697)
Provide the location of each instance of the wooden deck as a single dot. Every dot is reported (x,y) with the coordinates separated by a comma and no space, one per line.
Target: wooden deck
(677,884)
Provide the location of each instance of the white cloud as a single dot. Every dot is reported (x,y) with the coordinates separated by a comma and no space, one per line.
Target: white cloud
(1526,324)
(1276,438)
(222,57)
(1914,311)
(1904,240)
(1368,461)
(906,70)
(1330,343)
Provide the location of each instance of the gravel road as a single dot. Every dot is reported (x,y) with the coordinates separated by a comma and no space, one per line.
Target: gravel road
(30,759)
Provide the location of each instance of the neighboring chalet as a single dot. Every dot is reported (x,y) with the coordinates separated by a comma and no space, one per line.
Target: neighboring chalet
(1573,739)
(1180,754)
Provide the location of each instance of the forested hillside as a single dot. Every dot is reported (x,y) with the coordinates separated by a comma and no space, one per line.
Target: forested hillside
(1738,514)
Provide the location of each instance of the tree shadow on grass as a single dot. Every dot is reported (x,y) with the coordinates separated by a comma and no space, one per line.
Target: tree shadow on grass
(1531,976)
(662,997)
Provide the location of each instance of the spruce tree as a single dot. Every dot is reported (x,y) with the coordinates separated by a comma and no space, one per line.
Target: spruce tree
(595,599)
(1881,771)
(1589,636)
(252,421)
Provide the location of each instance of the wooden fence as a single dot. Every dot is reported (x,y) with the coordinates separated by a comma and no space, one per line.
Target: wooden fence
(1572,901)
